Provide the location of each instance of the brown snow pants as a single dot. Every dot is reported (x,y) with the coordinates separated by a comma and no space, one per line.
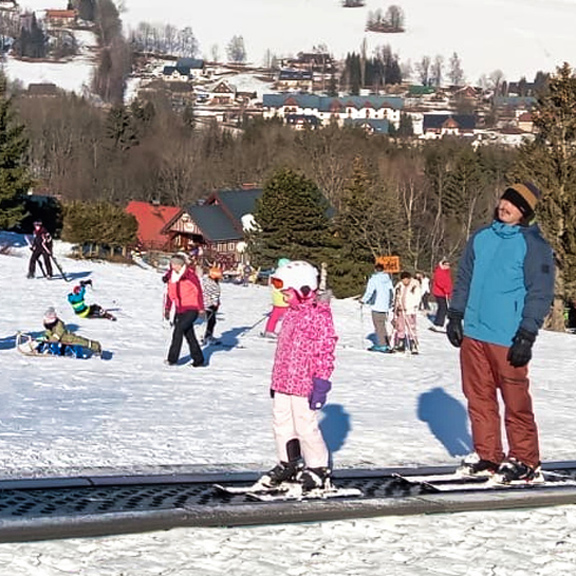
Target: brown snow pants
(485,369)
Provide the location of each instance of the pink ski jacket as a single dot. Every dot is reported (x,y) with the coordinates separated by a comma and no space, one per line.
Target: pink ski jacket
(305,348)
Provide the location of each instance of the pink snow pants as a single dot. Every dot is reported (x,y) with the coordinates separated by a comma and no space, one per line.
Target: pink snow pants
(485,369)
(292,418)
(275,316)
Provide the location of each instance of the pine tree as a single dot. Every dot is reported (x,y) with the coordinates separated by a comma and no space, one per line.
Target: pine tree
(14,177)
(550,161)
(360,226)
(292,220)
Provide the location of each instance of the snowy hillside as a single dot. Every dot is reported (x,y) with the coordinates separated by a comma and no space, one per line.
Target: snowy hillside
(73,75)
(517,36)
(132,413)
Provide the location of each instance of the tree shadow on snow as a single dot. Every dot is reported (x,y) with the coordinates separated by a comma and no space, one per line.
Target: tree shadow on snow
(447,419)
(335,427)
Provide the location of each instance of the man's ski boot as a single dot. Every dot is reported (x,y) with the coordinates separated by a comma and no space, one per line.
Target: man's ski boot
(475,467)
(511,471)
(282,472)
(315,479)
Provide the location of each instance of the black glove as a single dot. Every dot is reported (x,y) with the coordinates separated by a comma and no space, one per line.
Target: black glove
(85,282)
(520,352)
(454,329)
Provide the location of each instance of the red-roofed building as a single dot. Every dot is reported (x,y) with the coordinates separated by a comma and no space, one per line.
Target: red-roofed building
(154,221)
(56,18)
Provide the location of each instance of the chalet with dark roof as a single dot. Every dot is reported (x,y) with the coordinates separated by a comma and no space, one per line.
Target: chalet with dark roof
(439,125)
(291,80)
(215,228)
(176,73)
(42,90)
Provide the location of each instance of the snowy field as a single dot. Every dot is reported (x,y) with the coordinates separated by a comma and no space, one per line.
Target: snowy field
(73,75)
(518,37)
(132,413)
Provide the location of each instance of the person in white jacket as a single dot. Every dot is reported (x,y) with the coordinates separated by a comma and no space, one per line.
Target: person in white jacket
(407,298)
(379,294)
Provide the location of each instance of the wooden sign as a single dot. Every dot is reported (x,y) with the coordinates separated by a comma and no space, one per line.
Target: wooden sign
(391,263)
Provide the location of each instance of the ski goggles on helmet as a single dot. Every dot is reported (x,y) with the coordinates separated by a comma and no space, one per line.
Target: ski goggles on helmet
(277,283)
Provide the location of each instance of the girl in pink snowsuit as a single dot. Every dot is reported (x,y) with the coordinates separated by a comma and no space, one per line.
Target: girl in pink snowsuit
(303,364)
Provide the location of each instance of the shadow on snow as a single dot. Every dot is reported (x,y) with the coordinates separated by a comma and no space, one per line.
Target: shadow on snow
(447,419)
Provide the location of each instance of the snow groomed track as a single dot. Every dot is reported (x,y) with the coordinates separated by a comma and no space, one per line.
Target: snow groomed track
(51,508)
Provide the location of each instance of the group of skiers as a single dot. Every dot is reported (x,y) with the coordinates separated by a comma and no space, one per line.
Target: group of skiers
(57,339)
(401,303)
(503,291)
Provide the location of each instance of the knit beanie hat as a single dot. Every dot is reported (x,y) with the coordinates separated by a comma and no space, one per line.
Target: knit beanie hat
(524,196)
(50,316)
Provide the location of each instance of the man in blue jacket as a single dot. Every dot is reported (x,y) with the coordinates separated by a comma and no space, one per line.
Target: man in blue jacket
(379,294)
(504,290)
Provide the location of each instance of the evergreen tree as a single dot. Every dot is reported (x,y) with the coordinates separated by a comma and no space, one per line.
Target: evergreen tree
(291,220)
(120,129)
(405,126)
(550,161)
(14,177)
(99,223)
(455,73)
(236,50)
(360,227)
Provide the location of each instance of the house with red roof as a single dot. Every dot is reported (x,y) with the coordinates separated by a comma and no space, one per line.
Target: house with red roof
(154,221)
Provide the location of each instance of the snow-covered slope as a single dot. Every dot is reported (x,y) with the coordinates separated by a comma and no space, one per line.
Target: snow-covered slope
(133,413)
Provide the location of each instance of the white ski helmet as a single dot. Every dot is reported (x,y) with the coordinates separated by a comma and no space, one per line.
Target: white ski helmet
(298,275)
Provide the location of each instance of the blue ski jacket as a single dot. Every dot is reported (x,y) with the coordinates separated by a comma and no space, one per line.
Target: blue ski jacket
(379,292)
(505,281)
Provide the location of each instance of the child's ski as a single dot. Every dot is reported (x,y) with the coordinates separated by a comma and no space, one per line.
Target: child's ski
(295,493)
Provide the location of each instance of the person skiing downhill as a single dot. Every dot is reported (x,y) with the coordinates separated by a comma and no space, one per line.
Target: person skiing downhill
(83,310)
(41,247)
(503,291)
(303,364)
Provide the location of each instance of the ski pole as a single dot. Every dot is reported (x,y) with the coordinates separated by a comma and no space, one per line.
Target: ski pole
(59,268)
(248,329)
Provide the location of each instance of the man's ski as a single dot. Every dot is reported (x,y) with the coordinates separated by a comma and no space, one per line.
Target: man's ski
(456,482)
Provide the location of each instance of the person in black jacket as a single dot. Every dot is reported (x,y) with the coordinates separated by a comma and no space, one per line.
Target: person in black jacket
(41,246)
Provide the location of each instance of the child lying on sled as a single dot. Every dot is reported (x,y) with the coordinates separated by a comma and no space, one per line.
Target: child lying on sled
(57,333)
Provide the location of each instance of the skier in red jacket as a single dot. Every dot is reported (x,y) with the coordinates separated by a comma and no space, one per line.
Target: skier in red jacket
(442,292)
